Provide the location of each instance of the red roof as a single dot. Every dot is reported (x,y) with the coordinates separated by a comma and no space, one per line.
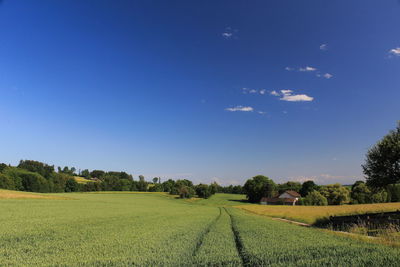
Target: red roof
(293,193)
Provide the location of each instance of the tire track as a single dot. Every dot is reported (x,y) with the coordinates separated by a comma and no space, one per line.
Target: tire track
(238,242)
(203,235)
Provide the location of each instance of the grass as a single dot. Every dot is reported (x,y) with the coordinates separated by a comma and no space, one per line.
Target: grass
(9,194)
(310,214)
(153,229)
(265,242)
(220,200)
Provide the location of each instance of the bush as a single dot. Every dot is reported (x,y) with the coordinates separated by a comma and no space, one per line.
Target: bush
(6,182)
(186,192)
(336,194)
(315,198)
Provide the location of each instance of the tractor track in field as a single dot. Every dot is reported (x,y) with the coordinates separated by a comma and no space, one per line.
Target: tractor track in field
(203,235)
(238,242)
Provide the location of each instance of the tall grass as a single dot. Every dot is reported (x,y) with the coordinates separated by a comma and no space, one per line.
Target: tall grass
(129,229)
(310,214)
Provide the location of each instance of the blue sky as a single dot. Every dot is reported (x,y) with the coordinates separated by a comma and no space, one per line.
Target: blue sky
(204,90)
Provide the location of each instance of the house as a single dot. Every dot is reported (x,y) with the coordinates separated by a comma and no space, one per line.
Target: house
(288,197)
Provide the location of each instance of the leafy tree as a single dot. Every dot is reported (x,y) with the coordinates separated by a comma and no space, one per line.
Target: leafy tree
(6,182)
(380,196)
(394,192)
(336,194)
(71,185)
(2,166)
(215,188)
(141,178)
(186,192)
(168,185)
(203,190)
(295,186)
(85,173)
(315,198)
(97,174)
(142,185)
(156,188)
(382,165)
(307,187)
(36,166)
(360,193)
(155,180)
(259,186)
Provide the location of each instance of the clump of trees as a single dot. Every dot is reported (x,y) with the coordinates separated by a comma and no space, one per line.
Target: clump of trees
(36,176)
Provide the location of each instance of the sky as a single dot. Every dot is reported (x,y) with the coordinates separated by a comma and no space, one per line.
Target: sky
(203,90)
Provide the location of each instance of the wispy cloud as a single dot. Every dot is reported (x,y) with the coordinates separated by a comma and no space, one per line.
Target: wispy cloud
(262,112)
(229,33)
(328,75)
(253,91)
(308,69)
(395,51)
(323,47)
(289,68)
(287,95)
(274,93)
(240,108)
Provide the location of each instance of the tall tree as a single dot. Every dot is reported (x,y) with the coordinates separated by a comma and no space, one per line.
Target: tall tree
(382,165)
(259,186)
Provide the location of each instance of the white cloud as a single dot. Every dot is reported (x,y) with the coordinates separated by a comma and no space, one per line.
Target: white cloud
(328,75)
(262,112)
(262,92)
(227,35)
(395,51)
(274,93)
(323,47)
(286,91)
(252,91)
(240,108)
(289,69)
(288,96)
(307,68)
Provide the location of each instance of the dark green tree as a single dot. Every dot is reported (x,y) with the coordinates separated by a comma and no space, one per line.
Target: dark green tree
(360,193)
(307,187)
(259,186)
(203,191)
(382,164)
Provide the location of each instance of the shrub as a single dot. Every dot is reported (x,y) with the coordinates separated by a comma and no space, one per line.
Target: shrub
(6,182)
(336,194)
(315,198)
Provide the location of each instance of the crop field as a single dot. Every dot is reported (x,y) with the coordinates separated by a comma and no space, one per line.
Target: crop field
(130,229)
(310,214)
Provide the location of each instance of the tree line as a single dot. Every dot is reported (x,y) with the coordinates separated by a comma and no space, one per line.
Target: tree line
(35,176)
(381,170)
(321,195)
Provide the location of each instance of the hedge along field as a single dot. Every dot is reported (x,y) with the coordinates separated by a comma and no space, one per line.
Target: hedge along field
(310,214)
(152,229)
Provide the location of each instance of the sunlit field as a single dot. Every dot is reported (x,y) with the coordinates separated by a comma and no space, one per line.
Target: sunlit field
(310,214)
(10,194)
(120,229)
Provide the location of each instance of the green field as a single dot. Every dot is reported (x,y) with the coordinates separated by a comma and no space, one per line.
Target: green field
(153,229)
